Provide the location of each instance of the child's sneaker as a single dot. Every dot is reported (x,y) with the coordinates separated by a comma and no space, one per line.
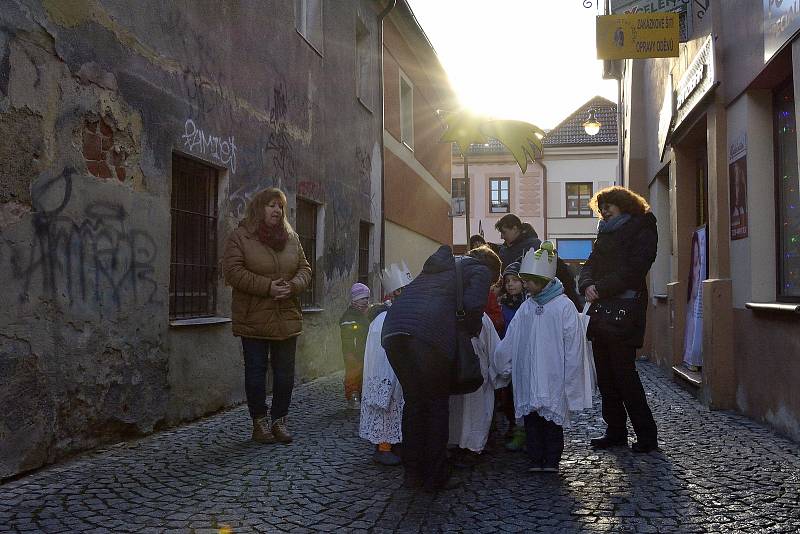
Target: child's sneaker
(517,442)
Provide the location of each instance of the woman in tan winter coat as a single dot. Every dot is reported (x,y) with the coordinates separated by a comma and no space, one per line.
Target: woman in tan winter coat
(266,266)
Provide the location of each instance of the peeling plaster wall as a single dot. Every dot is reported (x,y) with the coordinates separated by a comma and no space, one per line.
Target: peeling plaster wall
(95,97)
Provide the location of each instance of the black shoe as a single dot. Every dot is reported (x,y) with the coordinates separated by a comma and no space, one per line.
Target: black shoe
(606,442)
(451,483)
(644,446)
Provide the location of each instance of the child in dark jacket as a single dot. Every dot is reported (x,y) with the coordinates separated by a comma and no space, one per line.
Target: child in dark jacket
(513,296)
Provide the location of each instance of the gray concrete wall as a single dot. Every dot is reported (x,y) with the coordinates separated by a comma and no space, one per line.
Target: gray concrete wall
(95,97)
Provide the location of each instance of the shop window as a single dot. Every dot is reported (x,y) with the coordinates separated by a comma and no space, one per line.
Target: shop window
(364,231)
(578,196)
(459,196)
(498,195)
(306,229)
(406,111)
(193,254)
(308,21)
(788,209)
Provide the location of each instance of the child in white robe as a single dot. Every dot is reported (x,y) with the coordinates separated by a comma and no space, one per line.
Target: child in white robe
(381,394)
(471,414)
(544,352)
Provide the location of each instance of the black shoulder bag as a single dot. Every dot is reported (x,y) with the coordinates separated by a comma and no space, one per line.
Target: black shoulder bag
(466,375)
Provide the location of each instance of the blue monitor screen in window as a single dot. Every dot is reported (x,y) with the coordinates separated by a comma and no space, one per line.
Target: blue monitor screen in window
(574,249)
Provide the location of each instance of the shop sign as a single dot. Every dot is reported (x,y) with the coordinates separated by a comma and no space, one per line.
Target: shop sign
(681,7)
(696,82)
(781,22)
(665,116)
(637,36)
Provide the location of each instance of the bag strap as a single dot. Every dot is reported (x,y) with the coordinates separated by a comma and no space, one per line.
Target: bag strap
(459,288)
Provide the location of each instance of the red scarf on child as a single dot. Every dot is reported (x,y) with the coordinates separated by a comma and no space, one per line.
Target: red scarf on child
(274,237)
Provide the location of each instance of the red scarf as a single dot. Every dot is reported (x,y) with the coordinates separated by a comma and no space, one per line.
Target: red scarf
(274,237)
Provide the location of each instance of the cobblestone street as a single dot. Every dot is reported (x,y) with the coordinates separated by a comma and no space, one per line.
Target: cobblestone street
(716,472)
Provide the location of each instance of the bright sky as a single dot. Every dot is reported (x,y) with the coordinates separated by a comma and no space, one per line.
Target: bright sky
(531,60)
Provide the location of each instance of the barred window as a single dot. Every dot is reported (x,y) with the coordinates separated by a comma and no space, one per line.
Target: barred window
(364,231)
(306,229)
(193,256)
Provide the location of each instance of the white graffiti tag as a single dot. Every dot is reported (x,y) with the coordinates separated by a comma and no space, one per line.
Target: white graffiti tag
(220,149)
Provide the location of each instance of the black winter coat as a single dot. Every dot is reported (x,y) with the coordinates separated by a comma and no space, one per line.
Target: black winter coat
(527,239)
(426,309)
(620,261)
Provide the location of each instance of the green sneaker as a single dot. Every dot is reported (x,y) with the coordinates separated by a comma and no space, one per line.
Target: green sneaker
(517,442)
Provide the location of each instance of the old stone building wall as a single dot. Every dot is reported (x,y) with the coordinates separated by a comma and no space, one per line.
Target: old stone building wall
(96,98)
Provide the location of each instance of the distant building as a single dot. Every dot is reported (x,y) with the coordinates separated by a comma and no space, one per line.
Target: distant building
(553,194)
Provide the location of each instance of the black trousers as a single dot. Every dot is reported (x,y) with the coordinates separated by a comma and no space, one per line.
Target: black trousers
(424,374)
(257,354)
(621,392)
(544,440)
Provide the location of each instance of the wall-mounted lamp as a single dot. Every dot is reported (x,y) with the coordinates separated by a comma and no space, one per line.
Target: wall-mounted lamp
(592,125)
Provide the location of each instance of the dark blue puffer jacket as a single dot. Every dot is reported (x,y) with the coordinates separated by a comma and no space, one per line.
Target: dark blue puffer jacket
(427,306)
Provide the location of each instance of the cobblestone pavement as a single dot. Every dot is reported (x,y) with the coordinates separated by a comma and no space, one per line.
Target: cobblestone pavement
(716,472)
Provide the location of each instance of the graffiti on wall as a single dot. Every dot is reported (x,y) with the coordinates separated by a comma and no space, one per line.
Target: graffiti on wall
(220,149)
(279,142)
(96,257)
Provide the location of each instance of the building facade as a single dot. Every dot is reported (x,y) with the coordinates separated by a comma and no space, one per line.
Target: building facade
(134,135)
(710,139)
(416,164)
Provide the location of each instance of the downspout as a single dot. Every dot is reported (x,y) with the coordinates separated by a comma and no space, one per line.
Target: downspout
(544,197)
(620,130)
(382,15)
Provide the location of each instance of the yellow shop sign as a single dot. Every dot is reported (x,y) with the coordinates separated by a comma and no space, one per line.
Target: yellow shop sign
(638,35)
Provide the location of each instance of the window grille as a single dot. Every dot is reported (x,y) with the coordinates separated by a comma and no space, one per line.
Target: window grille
(193,256)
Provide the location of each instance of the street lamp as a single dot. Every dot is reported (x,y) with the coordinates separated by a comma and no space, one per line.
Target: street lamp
(592,125)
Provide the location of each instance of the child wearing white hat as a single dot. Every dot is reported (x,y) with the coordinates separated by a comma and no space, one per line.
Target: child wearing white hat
(543,351)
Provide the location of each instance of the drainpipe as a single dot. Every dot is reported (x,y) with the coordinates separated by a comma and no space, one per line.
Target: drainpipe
(544,197)
(620,130)
(382,15)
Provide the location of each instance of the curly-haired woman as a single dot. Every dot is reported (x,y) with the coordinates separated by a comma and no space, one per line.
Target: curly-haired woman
(614,280)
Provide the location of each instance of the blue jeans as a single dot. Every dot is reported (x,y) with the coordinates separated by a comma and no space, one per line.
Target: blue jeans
(257,353)
(545,440)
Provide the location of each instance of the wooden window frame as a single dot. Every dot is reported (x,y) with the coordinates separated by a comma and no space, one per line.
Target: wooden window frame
(580,215)
(499,180)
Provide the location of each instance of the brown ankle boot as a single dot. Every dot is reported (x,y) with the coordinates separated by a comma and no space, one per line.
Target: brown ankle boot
(261,431)
(280,430)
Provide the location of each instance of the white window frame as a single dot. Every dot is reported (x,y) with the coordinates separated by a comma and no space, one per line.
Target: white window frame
(406,130)
(309,23)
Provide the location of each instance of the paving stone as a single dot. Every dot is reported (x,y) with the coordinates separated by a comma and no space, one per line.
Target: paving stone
(715,472)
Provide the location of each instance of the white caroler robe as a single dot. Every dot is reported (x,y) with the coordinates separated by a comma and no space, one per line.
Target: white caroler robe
(545,356)
(471,414)
(381,393)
